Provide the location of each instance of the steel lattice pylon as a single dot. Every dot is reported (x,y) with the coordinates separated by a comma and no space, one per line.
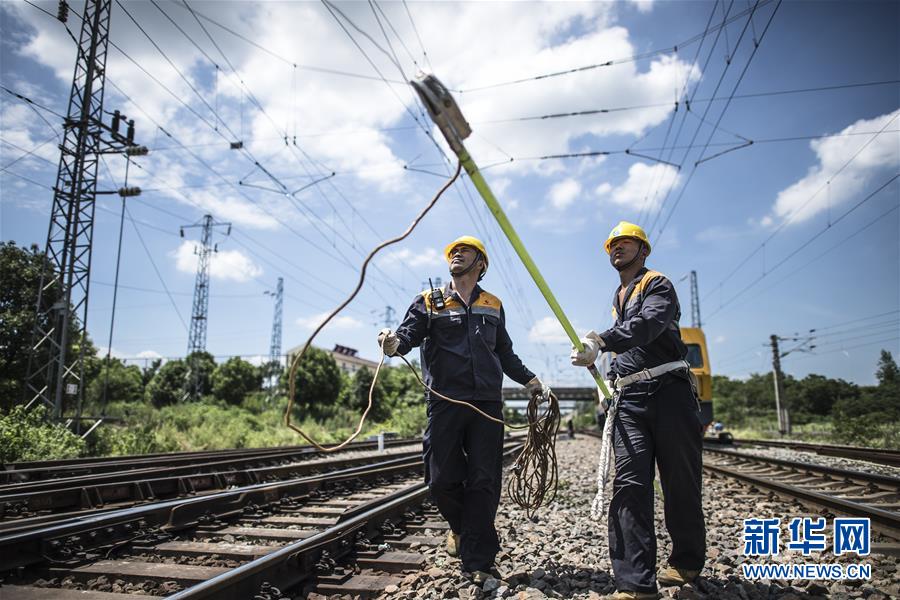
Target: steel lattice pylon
(275,346)
(271,381)
(695,301)
(200,311)
(54,371)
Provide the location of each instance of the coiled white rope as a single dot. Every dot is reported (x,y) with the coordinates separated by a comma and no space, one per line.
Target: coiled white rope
(606,461)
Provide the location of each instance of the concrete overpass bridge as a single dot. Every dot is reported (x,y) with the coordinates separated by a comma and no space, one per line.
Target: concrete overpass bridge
(569,397)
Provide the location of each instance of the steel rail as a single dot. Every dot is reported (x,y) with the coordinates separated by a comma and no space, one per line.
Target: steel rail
(891,483)
(292,564)
(884,456)
(889,521)
(29,471)
(95,491)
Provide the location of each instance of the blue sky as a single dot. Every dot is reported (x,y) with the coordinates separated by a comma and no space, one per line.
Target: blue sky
(786,234)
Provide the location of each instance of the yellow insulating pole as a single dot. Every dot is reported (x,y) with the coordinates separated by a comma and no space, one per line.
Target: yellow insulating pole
(447,116)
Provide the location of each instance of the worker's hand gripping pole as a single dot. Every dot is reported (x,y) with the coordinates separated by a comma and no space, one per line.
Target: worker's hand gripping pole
(449,119)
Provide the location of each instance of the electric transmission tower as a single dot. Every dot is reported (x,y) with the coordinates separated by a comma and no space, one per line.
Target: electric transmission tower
(275,345)
(695,301)
(200,311)
(55,373)
(388,316)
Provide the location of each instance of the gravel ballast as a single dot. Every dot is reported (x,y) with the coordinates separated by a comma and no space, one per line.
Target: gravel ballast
(563,554)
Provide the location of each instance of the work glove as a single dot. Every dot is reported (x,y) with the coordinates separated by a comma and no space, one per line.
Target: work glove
(536,389)
(388,342)
(593,344)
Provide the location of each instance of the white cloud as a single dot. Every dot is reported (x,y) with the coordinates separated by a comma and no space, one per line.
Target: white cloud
(429,257)
(719,339)
(563,193)
(226,265)
(148,354)
(645,187)
(548,330)
(339,322)
(354,112)
(813,195)
(643,6)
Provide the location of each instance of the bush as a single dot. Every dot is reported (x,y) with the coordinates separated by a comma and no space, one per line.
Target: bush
(26,435)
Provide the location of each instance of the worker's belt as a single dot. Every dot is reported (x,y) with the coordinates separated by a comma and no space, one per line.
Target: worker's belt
(651,373)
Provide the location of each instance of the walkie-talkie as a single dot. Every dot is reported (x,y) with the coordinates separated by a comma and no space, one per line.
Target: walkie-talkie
(437,296)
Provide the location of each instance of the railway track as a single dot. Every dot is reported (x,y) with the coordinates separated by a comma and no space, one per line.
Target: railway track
(843,491)
(350,531)
(47,500)
(875,455)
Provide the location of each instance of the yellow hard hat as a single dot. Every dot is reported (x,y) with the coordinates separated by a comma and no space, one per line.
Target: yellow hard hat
(626,229)
(467,240)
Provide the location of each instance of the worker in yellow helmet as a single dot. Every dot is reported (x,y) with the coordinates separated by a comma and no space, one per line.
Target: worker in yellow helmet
(655,424)
(465,351)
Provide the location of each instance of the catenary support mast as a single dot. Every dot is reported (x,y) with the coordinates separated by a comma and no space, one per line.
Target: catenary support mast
(55,373)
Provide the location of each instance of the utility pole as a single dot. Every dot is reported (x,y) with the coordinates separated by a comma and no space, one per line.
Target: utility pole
(200,311)
(55,373)
(275,345)
(784,425)
(695,301)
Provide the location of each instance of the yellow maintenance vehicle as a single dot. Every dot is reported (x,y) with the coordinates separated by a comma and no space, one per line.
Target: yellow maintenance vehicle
(698,359)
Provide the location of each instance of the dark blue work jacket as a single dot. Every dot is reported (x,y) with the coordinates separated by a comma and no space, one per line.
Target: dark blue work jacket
(646,332)
(465,349)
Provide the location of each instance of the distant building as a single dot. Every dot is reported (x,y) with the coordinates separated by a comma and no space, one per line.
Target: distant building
(346,358)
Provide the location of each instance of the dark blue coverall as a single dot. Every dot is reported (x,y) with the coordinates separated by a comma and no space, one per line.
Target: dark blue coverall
(657,420)
(465,351)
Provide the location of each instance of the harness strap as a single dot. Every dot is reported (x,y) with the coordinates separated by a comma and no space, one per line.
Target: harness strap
(651,373)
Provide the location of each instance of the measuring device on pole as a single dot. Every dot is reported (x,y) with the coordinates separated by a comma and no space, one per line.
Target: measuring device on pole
(449,119)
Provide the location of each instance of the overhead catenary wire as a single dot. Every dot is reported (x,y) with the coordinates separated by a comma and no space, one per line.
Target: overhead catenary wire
(819,256)
(293,145)
(796,211)
(683,188)
(803,245)
(633,58)
(156,269)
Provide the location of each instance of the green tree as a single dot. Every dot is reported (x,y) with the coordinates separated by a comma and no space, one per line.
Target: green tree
(318,384)
(205,364)
(234,379)
(20,274)
(888,373)
(168,384)
(125,384)
(814,396)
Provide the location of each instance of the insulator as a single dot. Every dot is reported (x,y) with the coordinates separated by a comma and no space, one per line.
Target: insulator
(62,12)
(130,135)
(129,191)
(117,116)
(137,151)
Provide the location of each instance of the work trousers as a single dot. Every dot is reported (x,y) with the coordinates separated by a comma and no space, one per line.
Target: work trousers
(657,421)
(463,469)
